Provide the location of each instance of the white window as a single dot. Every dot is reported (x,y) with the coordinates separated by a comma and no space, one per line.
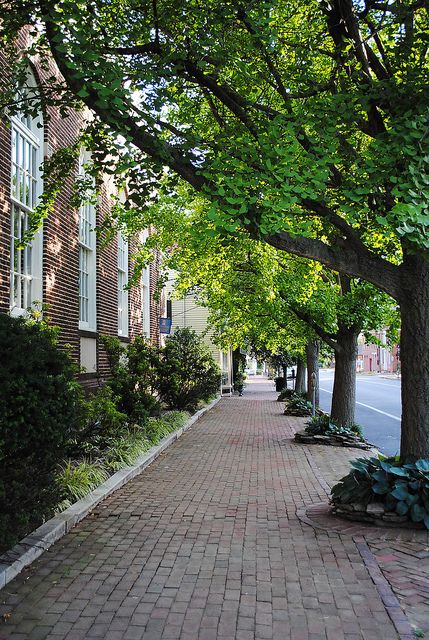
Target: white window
(146,302)
(26,187)
(145,293)
(122,283)
(87,265)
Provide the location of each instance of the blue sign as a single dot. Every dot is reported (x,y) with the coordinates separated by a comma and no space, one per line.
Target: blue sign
(164,325)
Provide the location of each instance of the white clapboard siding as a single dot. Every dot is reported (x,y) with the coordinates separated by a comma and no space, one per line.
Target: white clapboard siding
(187,313)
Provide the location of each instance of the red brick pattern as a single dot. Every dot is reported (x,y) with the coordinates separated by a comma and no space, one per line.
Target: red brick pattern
(405,565)
(206,545)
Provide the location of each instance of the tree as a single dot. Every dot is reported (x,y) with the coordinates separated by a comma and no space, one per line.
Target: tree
(304,122)
(278,303)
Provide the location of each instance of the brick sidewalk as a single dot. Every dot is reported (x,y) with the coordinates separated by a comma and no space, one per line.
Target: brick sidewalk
(206,545)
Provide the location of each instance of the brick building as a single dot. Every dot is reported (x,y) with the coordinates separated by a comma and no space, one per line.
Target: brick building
(65,266)
(377,358)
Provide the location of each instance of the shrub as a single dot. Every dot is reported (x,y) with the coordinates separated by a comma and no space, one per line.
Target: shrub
(402,488)
(39,412)
(239,381)
(101,420)
(134,378)
(188,373)
(323,425)
(286,394)
(298,406)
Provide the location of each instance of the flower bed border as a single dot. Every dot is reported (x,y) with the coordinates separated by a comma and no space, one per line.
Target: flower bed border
(32,546)
(334,440)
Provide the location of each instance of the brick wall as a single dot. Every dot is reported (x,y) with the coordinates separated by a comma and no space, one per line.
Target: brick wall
(61,249)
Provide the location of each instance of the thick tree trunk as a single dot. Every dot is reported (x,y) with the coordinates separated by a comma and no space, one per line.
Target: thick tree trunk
(312,352)
(300,376)
(344,392)
(414,354)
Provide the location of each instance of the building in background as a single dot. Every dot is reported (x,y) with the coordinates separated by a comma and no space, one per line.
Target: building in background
(374,358)
(187,312)
(82,284)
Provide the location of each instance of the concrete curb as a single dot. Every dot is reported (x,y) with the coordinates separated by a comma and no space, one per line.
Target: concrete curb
(32,546)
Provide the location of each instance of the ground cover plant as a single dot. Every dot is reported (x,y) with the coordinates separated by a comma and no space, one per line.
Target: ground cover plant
(402,490)
(287,394)
(324,425)
(321,429)
(77,477)
(298,406)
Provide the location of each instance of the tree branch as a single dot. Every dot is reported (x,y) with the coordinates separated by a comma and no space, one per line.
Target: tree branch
(342,258)
(326,336)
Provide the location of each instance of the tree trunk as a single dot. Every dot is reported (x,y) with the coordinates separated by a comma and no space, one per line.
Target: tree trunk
(300,376)
(284,367)
(344,392)
(312,351)
(414,354)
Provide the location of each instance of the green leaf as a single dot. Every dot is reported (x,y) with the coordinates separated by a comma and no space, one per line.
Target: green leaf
(401,508)
(417,512)
(83,93)
(380,488)
(422,465)
(399,471)
(400,492)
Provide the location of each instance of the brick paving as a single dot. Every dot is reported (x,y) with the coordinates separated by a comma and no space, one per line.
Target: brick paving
(205,545)
(405,564)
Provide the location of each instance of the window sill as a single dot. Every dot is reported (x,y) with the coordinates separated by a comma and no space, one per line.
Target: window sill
(88,333)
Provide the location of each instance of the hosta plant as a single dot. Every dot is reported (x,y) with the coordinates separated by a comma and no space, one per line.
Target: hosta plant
(286,394)
(323,425)
(298,406)
(402,488)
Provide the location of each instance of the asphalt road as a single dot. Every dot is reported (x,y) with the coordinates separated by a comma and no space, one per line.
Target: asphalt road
(378,408)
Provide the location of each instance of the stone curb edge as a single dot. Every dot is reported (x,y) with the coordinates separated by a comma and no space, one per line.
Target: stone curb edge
(32,546)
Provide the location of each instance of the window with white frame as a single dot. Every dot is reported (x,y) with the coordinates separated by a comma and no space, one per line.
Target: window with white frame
(122,283)
(146,301)
(145,290)
(87,264)
(26,188)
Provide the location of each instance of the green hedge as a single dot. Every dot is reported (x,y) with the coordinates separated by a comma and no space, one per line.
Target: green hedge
(39,414)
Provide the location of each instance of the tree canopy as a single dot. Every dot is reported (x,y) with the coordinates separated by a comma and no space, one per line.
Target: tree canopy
(293,118)
(304,122)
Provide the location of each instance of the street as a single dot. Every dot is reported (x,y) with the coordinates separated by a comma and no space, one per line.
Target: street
(378,408)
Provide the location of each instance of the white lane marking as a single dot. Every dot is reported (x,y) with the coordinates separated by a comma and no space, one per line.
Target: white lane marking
(389,415)
(379,384)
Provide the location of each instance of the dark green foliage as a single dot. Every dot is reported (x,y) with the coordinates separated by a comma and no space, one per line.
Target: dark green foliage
(101,421)
(188,373)
(403,488)
(286,394)
(134,377)
(298,406)
(324,426)
(239,381)
(158,428)
(39,410)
